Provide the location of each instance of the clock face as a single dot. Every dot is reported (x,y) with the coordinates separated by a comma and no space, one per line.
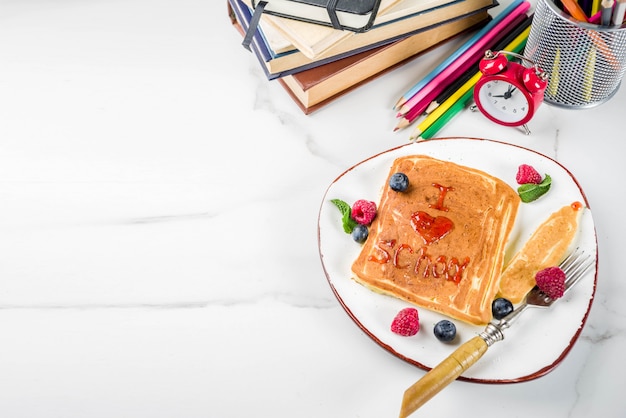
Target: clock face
(504,101)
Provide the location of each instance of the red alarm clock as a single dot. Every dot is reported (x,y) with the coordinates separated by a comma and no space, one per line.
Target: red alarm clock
(508,92)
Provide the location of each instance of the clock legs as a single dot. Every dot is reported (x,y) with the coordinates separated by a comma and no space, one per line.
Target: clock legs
(474,108)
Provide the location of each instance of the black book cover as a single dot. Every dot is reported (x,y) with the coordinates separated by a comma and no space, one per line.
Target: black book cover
(352,15)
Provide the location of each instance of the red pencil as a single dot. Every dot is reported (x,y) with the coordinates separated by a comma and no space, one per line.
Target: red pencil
(443,80)
(475,50)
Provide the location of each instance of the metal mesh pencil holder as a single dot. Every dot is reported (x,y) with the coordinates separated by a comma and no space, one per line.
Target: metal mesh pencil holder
(585,62)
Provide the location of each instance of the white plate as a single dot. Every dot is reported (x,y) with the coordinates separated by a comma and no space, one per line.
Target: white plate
(539,340)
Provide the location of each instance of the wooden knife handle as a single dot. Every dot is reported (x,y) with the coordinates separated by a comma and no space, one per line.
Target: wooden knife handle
(441,375)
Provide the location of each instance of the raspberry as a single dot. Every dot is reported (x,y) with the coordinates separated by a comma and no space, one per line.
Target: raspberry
(363,211)
(406,322)
(551,281)
(527,174)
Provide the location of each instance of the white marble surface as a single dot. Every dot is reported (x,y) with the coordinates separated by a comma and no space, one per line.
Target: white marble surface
(158,209)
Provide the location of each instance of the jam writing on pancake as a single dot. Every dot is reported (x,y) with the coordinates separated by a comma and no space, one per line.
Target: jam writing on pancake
(422,264)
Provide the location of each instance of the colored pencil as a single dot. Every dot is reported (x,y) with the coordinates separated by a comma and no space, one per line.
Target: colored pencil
(595,7)
(452,88)
(445,118)
(555,75)
(618,12)
(574,9)
(607,11)
(576,12)
(416,106)
(430,93)
(509,41)
(462,102)
(596,17)
(516,45)
(406,96)
(604,49)
(441,110)
(475,51)
(586,6)
(589,75)
(501,45)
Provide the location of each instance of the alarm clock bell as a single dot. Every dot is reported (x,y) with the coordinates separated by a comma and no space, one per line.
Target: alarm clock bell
(509,93)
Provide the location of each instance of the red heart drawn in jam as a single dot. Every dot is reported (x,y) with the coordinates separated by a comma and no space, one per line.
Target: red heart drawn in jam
(430,228)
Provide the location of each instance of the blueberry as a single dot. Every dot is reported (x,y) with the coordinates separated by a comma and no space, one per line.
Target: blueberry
(445,330)
(501,307)
(399,182)
(360,233)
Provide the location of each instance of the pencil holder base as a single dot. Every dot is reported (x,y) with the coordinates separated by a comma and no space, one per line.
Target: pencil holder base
(556,103)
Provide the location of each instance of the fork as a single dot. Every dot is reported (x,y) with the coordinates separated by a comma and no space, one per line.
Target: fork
(575,265)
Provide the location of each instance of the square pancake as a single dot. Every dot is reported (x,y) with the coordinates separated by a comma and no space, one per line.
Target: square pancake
(440,244)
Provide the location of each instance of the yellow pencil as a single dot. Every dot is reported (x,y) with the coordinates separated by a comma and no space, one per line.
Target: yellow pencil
(514,46)
(553,81)
(595,7)
(443,107)
(589,71)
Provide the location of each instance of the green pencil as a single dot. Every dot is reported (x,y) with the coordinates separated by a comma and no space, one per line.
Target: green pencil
(517,46)
(449,114)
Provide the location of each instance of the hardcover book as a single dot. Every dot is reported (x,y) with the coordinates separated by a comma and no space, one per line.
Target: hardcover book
(323,36)
(314,88)
(316,41)
(279,65)
(353,15)
(288,63)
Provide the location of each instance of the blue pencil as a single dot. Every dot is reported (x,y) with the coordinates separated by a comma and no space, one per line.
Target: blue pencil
(457,53)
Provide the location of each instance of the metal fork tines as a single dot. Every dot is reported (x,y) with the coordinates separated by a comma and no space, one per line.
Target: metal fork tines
(575,266)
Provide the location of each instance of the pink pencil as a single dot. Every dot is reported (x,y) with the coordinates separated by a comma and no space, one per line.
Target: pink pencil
(434,90)
(596,17)
(478,48)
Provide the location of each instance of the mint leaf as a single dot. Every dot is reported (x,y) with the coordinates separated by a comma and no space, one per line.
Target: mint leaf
(346,220)
(530,192)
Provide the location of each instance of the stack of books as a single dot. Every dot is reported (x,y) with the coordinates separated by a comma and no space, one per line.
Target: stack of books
(317,63)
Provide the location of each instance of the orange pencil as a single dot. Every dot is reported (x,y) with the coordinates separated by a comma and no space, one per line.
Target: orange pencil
(577,13)
(574,9)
